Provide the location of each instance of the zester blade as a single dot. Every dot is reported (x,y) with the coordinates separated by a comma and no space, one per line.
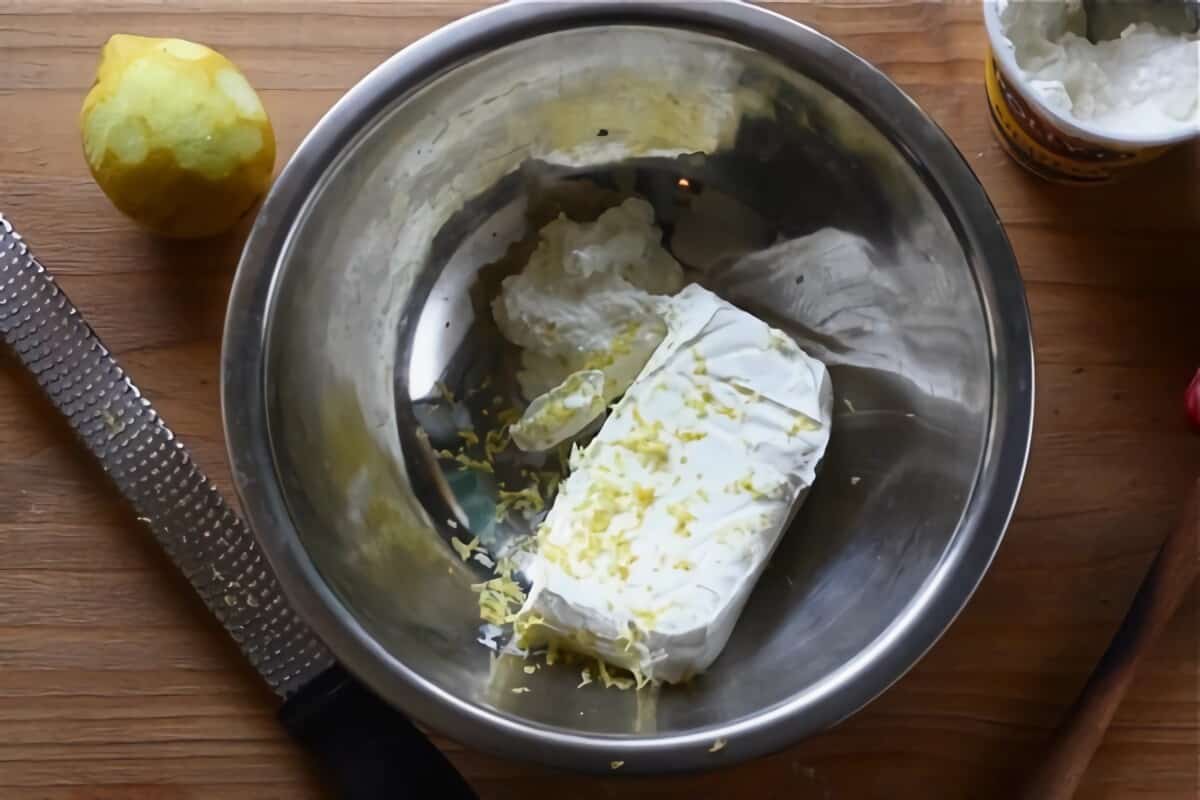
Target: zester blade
(192,522)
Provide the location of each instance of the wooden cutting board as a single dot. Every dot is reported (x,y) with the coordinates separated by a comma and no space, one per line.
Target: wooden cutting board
(114,683)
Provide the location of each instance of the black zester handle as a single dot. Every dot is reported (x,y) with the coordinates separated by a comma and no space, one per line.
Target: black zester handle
(200,533)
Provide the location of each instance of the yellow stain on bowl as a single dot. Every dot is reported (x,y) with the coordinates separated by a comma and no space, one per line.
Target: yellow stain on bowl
(643,115)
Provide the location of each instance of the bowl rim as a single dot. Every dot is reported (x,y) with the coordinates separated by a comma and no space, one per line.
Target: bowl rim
(940,599)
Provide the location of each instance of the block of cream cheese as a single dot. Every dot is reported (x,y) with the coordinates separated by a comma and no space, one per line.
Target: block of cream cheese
(670,513)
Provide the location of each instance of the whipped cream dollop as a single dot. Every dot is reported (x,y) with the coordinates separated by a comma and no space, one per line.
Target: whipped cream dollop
(587,300)
(1144,83)
(670,513)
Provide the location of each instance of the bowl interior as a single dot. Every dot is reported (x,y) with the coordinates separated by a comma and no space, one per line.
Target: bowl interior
(793,205)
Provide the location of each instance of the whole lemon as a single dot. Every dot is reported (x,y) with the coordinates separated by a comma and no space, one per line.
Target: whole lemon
(175,135)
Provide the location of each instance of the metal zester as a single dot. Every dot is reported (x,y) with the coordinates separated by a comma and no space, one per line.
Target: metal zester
(371,750)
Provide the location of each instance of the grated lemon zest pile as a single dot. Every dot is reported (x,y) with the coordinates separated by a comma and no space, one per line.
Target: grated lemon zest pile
(746,484)
(600,531)
(499,597)
(527,499)
(466,461)
(495,442)
(645,441)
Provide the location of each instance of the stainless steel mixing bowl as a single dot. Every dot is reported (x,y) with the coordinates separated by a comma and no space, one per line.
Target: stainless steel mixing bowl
(788,174)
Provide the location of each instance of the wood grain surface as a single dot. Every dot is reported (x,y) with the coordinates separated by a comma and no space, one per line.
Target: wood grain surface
(114,684)
(1083,728)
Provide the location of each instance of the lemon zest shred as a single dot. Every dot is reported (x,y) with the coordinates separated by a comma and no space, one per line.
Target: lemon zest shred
(644,441)
(802,424)
(464,549)
(495,442)
(683,518)
(466,461)
(611,681)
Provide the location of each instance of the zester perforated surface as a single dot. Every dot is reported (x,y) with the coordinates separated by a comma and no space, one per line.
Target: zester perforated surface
(199,531)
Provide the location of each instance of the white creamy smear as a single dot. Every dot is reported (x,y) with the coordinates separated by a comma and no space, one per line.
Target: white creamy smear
(586,299)
(670,513)
(1146,83)
(562,412)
